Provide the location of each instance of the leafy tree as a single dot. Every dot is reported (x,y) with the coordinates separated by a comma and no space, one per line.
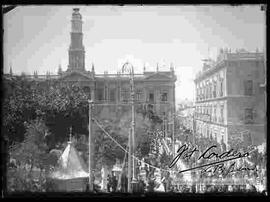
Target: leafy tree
(106,150)
(32,159)
(18,107)
(60,106)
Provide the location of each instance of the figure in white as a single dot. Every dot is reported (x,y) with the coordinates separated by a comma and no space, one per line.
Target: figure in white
(104,180)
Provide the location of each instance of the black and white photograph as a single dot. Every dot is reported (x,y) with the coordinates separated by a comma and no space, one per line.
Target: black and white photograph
(125,100)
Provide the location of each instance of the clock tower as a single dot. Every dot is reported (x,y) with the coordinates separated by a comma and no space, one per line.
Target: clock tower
(76,49)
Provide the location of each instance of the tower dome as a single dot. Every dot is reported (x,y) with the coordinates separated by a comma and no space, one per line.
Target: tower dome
(76,14)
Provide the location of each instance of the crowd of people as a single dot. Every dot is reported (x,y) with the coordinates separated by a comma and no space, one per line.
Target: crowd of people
(246,180)
(112,183)
(215,181)
(140,187)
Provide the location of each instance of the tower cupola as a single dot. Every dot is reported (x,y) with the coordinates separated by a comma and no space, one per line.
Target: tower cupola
(76,48)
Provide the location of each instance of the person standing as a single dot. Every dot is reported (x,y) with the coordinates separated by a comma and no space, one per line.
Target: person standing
(126,184)
(164,182)
(114,183)
(141,185)
(151,185)
(169,182)
(109,183)
(123,183)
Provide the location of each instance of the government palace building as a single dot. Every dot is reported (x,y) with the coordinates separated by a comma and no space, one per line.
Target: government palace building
(152,88)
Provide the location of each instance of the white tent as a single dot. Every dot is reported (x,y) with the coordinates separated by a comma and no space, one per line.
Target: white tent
(71,173)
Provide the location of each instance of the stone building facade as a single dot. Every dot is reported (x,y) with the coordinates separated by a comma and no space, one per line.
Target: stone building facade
(154,89)
(230,102)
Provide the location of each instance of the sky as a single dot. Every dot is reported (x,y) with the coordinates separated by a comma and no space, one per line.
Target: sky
(37,38)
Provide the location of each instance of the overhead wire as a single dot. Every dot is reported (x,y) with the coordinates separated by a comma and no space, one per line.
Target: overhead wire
(161,169)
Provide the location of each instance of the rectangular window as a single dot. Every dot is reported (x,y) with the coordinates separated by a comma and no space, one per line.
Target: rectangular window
(106,93)
(248,116)
(151,97)
(164,97)
(214,90)
(257,64)
(210,91)
(138,95)
(125,95)
(100,94)
(221,88)
(248,87)
(112,95)
(215,115)
(222,114)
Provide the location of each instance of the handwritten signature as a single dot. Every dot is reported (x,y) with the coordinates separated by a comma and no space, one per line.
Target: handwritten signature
(186,153)
(224,171)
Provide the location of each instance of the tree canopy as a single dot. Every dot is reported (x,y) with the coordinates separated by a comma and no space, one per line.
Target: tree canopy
(61,105)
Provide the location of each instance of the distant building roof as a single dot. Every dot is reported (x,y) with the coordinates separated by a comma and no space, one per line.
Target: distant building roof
(70,165)
(241,54)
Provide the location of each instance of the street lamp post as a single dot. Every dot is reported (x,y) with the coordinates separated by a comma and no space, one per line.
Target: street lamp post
(173,135)
(194,128)
(129,161)
(128,67)
(91,188)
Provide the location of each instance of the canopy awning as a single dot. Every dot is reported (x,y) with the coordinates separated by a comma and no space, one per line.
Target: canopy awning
(70,165)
